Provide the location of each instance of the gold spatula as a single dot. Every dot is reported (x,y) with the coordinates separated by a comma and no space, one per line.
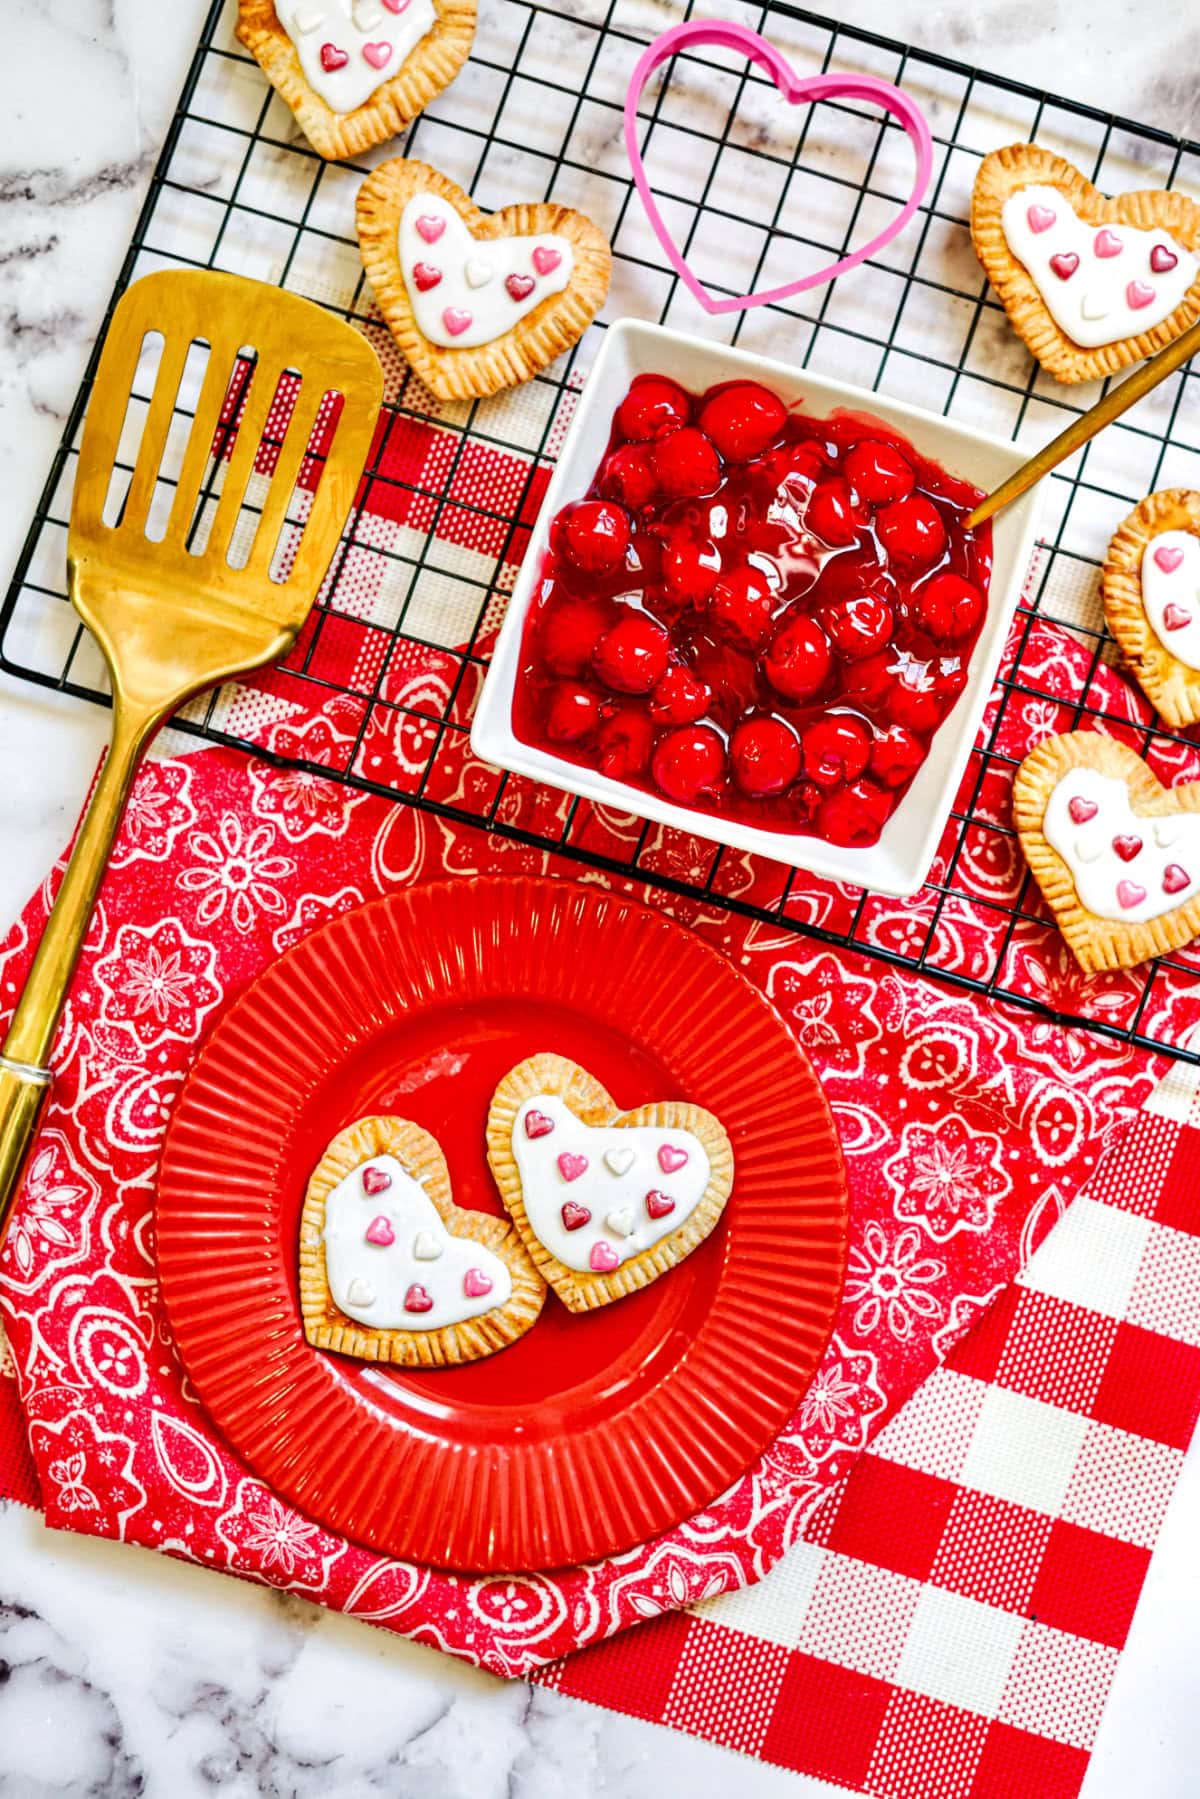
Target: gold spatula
(169,618)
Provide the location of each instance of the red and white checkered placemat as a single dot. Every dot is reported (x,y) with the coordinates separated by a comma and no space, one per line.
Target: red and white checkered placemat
(950,1624)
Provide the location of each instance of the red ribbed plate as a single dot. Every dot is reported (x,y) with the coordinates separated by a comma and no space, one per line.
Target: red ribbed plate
(592,1433)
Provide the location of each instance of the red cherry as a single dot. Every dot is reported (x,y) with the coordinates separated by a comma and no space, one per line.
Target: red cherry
(743,419)
(570,632)
(860,625)
(836,748)
(686,464)
(689,762)
(652,406)
(629,477)
(597,535)
(742,604)
(869,682)
(690,567)
(679,698)
(912,699)
(798,661)
(878,472)
(854,816)
(632,656)
(912,532)
(573,713)
(765,756)
(626,740)
(948,607)
(896,755)
(832,515)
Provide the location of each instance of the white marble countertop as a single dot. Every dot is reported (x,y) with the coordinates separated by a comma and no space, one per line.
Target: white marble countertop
(128,1674)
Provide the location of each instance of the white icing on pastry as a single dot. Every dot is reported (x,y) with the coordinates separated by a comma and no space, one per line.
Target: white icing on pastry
(348,48)
(1125,867)
(464,293)
(1171,593)
(1100,283)
(565,1163)
(388,1252)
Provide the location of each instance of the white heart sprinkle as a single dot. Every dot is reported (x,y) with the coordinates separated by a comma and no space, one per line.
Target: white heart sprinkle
(1092,306)
(307,19)
(1091,846)
(367,15)
(621,1222)
(360,1293)
(478,272)
(427,1247)
(618,1161)
(1166,832)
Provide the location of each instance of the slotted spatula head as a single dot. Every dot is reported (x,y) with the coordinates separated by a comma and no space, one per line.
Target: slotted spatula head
(173,614)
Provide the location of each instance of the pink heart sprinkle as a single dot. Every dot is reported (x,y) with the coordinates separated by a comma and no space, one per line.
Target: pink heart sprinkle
(575,1216)
(426,276)
(670,1158)
(520,286)
(332,58)
(1081,810)
(1162,260)
(1176,617)
(659,1204)
(378,55)
(1064,264)
(430,226)
(537,1124)
(476,1283)
(1168,556)
(1108,244)
(1127,847)
(1041,218)
(380,1232)
(457,319)
(1139,294)
(603,1258)
(1129,894)
(546,261)
(1175,879)
(374,1180)
(571,1166)
(396,6)
(417,1299)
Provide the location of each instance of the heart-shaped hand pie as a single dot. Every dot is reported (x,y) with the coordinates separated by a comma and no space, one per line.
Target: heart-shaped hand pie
(477,302)
(1151,586)
(356,72)
(605,1201)
(1091,284)
(392,1270)
(1116,853)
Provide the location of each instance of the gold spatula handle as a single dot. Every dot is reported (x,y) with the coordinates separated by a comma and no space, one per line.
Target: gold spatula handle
(24,1074)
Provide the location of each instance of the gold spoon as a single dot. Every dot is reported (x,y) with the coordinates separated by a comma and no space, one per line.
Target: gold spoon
(169,621)
(1114,403)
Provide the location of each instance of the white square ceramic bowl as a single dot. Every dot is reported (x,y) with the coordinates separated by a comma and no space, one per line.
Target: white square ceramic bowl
(900,861)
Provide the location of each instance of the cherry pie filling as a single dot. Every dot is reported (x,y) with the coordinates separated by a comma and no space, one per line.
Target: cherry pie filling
(755,613)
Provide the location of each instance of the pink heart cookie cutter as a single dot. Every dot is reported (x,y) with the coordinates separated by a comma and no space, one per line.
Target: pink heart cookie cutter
(795,89)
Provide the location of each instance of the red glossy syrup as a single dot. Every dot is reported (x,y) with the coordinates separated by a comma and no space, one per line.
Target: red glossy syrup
(757,613)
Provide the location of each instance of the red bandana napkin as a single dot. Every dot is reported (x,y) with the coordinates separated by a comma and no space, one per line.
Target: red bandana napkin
(966,1126)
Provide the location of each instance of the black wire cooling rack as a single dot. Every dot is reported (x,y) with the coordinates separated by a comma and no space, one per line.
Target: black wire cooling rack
(757,193)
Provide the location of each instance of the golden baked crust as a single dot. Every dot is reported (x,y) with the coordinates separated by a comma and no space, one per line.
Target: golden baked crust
(328,1328)
(1004,173)
(1166,681)
(429,67)
(1099,943)
(535,340)
(591,1103)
